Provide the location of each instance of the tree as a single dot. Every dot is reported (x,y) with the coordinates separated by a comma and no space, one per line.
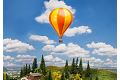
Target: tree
(42,66)
(88,71)
(73,67)
(29,69)
(37,70)
(34,65)
(97,78)
(77,62)
(80,67)
(66,70)
(50,76)
(62,76)
(26,69)
(21,73)
(90,78)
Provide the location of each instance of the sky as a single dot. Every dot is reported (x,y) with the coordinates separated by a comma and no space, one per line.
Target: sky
(91,36)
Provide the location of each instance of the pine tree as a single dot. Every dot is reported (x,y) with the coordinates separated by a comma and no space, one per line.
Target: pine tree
(42,66)
(34,65)
(77,62)
(88,71)
(80,67)
(26,69)
(62,76)
(21,73)
(66,70)
(73,67)
(29,69)
(50,76)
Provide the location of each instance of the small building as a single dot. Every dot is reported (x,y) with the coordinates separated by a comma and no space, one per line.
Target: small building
(34,76)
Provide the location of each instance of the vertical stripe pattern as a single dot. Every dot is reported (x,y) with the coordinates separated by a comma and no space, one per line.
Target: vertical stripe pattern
(60,19)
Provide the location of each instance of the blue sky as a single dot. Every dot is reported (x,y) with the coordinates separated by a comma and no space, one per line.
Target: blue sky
(99,16)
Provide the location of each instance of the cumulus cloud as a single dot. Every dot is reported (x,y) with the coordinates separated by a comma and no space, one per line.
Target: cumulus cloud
(92,60)
(49,6)
(9,58)
(25,58)
(52,60)
(70,49)
(42,39)
(15,45)
(77,31)
(9,64)
(101,48)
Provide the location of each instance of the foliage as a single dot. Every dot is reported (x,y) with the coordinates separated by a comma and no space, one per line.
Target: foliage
(80,67)
(66,70)
(62,76)
(97,78)
(37,70)
(42,66)
(77,77)
(56,75)
(49,76)
(34,64)
(21,73)
(29,69)
(73,67)
(72,72)
(88,71)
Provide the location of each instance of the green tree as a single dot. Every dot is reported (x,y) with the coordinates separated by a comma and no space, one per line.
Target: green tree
(91,78)
(21,73)
(49,76)
(42,66)
(97,78)
(73,67)
(66,70)
(37,70)
(62,76)
(29,69)
(26,69)
(80,67)
(77,62)
(34,64)
(88,71)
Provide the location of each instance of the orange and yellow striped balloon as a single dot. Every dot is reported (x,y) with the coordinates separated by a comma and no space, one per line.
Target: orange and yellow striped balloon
(60,19)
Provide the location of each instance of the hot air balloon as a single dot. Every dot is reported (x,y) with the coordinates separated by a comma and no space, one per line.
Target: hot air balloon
(60,19)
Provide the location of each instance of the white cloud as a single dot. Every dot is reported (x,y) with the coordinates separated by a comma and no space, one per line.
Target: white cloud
(9,58)
(77,31)
(52,60)
(101,48)
(110,63)
(49,6)
(9,64)
(24,58)
(71,50)
(15,45)
(43,39)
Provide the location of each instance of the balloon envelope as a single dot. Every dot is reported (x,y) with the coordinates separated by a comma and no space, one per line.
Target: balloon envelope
(60,19)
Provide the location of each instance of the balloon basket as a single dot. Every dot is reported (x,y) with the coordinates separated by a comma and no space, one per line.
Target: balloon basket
(60,40)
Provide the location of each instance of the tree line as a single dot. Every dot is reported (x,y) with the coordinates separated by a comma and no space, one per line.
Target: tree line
(75,68)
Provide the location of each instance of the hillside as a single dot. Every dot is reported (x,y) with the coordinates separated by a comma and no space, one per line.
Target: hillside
(102,74)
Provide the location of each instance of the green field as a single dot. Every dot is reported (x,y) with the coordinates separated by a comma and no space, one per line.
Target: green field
(102,74)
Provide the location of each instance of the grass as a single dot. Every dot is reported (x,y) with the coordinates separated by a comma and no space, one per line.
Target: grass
(102,74)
